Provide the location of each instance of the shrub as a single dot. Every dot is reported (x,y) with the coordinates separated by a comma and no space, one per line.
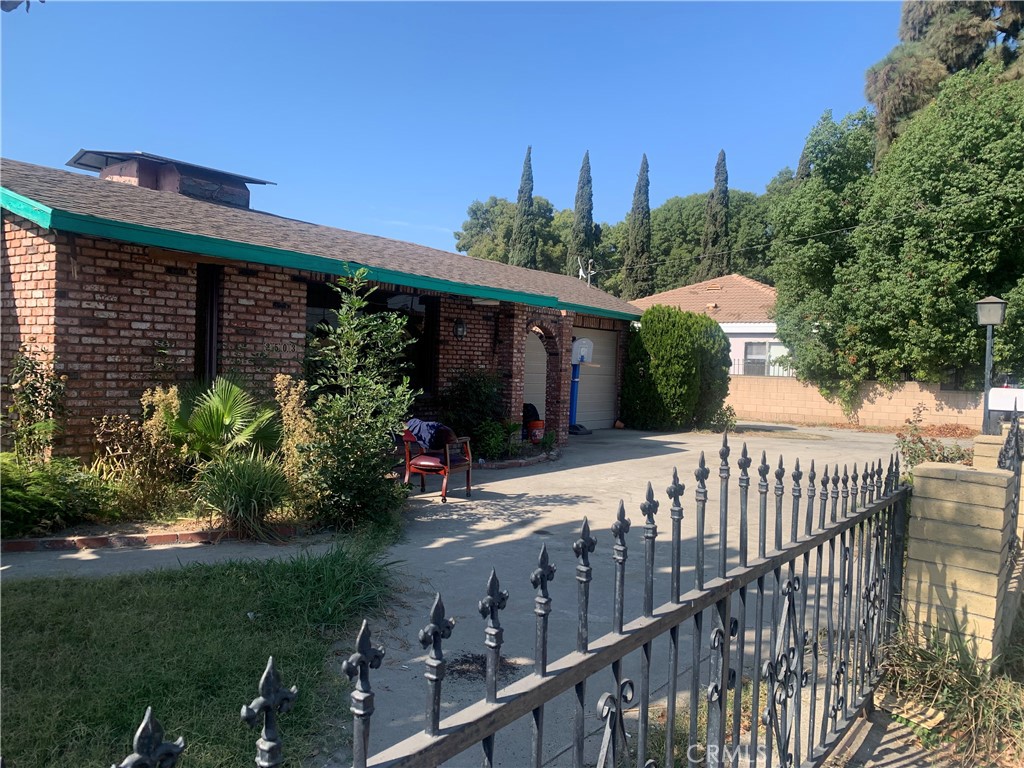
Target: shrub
(220,419)
(984,706)
(41,497)
(37,402)
(139,461)
(677,371)
(298,430)
(472,399)
(243,489)
(915,448)
(361,403)
(715,361)
(724,420)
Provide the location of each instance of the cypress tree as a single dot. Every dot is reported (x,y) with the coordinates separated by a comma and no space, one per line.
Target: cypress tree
(638,271)
(581,237)
(714,245)
(523,248)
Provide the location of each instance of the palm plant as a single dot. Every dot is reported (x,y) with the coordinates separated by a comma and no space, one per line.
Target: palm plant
(221,420)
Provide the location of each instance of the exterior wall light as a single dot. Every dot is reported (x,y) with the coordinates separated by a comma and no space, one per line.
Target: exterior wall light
(459,329)
(991,312)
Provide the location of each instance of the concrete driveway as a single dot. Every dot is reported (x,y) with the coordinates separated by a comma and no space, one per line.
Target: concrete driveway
(451,548)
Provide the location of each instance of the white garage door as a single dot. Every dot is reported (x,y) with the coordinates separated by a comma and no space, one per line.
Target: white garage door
(535,379)
(597,406)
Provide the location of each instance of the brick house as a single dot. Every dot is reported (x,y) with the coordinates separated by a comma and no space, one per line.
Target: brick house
(745,310)
(159,272)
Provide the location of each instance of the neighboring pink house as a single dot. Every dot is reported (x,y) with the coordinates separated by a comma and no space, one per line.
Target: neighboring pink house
(744,308)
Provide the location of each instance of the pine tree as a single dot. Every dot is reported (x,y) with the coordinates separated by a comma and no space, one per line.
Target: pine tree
(714,245)
(638,271)
(523,248)
(582,237)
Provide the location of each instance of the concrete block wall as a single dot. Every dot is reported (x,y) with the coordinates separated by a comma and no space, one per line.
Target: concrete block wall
(958,574)
(787,400)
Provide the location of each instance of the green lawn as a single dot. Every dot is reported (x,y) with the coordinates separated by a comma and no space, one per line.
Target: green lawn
(82,659)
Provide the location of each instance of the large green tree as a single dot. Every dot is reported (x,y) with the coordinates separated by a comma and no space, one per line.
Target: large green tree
(487,233)
(877,274)
(523,248)
(582,239)
(714,244)
(638,269)
(811,222)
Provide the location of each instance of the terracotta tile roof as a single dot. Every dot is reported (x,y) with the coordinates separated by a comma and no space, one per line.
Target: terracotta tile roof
(75,193)
(729,299)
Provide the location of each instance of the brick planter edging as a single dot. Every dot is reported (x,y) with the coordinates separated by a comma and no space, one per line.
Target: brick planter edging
(117,541)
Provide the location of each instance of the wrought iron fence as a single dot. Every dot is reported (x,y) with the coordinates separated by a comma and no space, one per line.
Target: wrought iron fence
(1011,456)
(819,607)
(758,367)
(807,617)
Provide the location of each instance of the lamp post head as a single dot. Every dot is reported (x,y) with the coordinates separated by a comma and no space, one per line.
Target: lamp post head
(991,311)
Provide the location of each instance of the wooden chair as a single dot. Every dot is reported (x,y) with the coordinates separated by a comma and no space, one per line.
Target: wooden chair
(455,457)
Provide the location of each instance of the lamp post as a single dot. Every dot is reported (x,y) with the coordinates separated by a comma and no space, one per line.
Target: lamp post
(991,312)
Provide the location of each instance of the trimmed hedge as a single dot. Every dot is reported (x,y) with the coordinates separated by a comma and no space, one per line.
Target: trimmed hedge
(677,371)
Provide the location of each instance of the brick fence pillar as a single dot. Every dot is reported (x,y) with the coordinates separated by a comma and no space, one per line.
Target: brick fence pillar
(959,577)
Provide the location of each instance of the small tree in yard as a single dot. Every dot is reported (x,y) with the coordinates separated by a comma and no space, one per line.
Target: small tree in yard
(360,400)
(677,372)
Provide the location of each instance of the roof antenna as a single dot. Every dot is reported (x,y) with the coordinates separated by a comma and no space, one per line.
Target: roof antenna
(589,272)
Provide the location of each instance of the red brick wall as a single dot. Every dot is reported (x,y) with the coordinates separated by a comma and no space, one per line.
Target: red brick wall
(496,342)
(28,290)
(120,319)
(262,324)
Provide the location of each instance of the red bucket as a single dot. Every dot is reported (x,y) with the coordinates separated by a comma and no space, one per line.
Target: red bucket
(536,431)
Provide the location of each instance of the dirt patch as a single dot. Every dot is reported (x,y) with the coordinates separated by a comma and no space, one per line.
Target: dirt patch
(473,666)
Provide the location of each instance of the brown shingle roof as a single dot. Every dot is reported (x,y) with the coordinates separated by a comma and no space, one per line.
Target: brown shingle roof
(729,299)
(171,212)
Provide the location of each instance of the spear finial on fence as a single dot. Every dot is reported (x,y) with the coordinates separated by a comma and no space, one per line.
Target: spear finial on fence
(357,667)
(439,628)
(702,473)
(543,573)
(272,701)
(619,553)
(675,491)
(149,750)
(649,507)
(621,525)
(585,544)
(495,600)
(723,452)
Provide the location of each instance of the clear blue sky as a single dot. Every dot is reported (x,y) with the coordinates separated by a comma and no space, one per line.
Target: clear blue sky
(391,118)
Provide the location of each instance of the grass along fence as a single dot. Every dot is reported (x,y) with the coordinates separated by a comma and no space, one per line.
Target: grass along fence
(83,659)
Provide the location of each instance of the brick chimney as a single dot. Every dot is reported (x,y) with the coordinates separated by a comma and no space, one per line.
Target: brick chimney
(142,169)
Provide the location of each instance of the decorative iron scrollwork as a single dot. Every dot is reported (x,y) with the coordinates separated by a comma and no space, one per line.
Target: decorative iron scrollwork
(611,706)
(785,675)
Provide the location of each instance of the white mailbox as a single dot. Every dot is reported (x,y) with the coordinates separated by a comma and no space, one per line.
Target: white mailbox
(582,351)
